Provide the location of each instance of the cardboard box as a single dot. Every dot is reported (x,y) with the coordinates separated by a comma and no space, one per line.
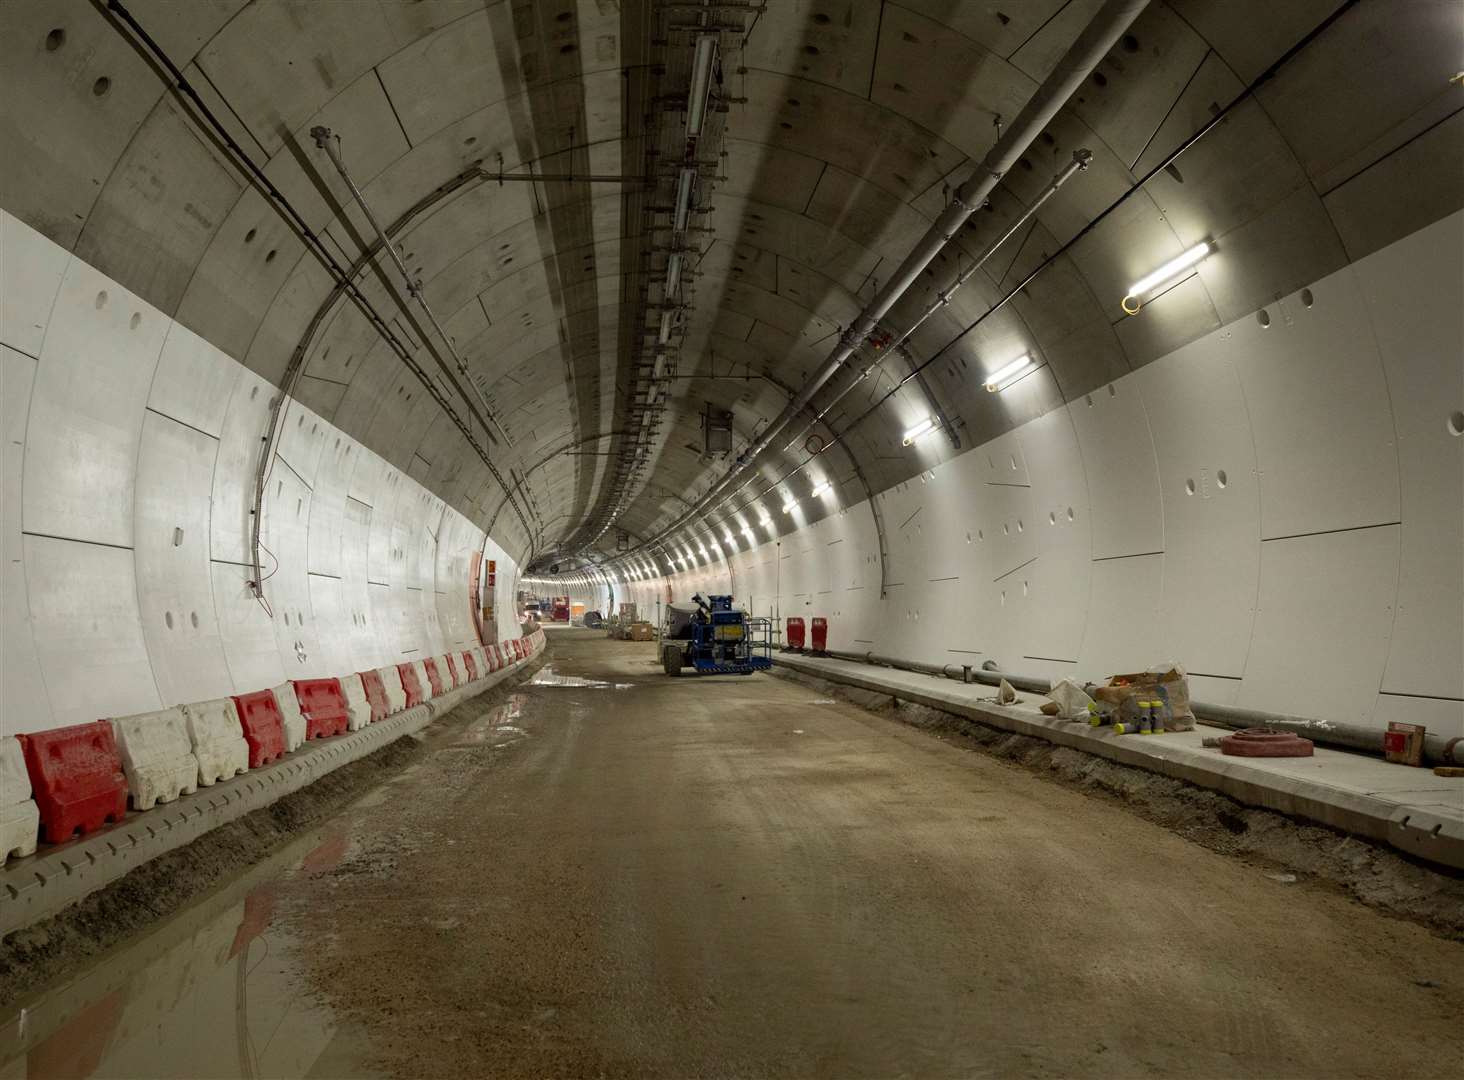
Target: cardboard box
(641,631)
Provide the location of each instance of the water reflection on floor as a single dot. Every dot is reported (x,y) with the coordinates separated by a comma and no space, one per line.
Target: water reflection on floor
(215,991)
(548,677)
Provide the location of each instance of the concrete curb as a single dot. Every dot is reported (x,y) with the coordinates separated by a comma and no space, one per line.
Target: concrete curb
(1419,830)
(38,886)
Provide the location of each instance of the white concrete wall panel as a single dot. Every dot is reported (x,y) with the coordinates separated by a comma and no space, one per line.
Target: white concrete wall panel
(1061,576)
(1198,420)
(285,540)
(86,410)
(24,704)
(194,381)
(1406,287)
(1125,627)
(245,422)
(88,632)
(175,467)
(1123,476)
(1318,407)
(246,630)
(31,268)
(1322,628)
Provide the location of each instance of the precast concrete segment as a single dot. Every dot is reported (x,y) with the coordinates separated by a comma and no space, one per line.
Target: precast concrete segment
(641,876)
(35,888)
(1409,809)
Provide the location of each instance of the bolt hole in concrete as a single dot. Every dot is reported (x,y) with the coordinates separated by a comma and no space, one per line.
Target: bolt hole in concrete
(1456,423)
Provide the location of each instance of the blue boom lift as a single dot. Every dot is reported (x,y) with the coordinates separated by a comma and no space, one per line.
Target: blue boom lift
(714,638)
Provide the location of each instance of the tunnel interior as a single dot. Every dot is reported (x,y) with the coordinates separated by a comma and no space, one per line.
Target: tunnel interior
(1059,338)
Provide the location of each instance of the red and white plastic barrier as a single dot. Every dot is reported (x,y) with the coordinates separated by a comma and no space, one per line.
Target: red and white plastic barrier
(76,779)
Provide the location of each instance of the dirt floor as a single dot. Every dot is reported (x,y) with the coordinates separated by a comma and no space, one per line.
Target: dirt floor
(608,872)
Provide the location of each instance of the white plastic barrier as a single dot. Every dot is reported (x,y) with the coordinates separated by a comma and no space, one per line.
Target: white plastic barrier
(157,756)
(391,682)
(290,714)
(218,740)
(480,654)
(20,821)
(358,705)
(451,669)
(422,680)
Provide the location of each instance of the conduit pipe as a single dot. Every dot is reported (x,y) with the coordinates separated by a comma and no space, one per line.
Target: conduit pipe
(1436,750)
(1092,45)
(1080,161)
(331,145)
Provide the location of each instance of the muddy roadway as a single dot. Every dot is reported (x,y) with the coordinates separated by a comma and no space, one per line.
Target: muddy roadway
(608,872)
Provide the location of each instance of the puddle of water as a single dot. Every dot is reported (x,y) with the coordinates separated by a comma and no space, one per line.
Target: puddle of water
(495,727)
(547,677)
(215,991)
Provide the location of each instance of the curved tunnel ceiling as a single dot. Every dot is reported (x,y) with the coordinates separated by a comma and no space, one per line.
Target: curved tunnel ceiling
(842,128)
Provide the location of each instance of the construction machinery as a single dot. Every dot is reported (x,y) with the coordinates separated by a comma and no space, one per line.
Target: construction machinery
(711,637)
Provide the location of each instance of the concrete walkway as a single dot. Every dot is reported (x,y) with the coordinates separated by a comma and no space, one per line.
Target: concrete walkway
(1411,809)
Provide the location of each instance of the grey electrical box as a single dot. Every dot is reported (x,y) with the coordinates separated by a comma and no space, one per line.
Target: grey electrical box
(717,424)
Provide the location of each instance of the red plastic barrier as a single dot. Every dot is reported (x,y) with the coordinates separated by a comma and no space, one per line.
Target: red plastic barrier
(452,669)
(76,777)
(505,653)
(518,649)
(375,694)
(264,727)
(410,684)
(324,706)
(795,633)
(470,665)
(820,634)
(494,660)
(433,676)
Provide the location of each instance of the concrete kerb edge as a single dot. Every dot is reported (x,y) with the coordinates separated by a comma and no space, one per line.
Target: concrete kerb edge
(39,886)
(1414,830)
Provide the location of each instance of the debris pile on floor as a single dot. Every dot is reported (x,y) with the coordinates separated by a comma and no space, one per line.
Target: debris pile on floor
(1142,703)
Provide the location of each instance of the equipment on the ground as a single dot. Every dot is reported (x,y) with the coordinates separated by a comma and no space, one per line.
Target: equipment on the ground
(593,620)
(712,637)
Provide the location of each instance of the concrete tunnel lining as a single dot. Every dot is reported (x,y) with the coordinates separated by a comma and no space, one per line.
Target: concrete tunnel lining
(1258,474)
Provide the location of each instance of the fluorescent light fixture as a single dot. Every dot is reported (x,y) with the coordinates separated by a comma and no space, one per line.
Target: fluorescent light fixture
(683,199)
(726,534)
(925,427)
(1004,377)
(790,506)
(673,274)
(664,336)
(701,83)
(1166,274)
(747,532)
(822,489)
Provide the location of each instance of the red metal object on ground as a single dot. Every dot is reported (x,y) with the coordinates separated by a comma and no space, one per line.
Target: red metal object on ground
(1265,742)
(375,694)
(795,633)
(452,669)
(819,632)
(470,665)
(324,706)
(76,776)
(264,728)
(411,685)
